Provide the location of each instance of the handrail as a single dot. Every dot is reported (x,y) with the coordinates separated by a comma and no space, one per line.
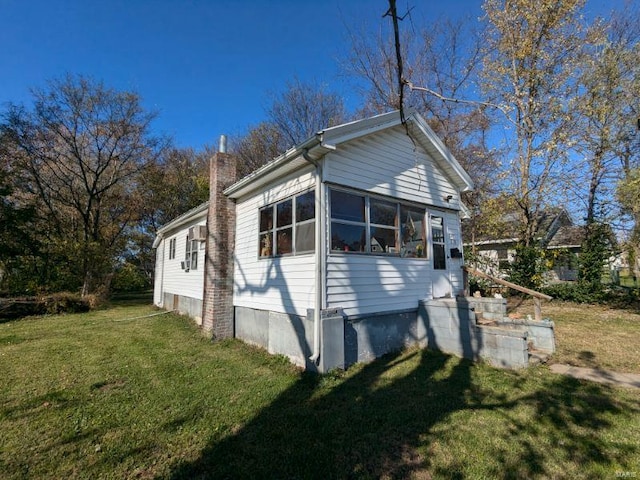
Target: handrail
(537,296)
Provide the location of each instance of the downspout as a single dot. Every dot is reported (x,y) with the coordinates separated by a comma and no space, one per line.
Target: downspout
(318,259)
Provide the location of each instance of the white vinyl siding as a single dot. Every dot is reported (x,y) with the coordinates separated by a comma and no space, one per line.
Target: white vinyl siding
(175,279)
(385,163)
(282,284)
(370,284)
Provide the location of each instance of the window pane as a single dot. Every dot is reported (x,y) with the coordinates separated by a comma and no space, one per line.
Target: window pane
(265,245)
(266,219)
(383,240)
(437,231)
(345,206)
(284,215)
(194,260)
(305,237)
(412,232)
(347,238)
(382,213)
(439,262)
(283,239)
(305,206)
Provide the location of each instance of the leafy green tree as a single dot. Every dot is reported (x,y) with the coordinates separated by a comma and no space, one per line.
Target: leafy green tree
(596,250)
(528,266)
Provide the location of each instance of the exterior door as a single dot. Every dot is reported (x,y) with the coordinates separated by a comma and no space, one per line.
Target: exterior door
(441,281)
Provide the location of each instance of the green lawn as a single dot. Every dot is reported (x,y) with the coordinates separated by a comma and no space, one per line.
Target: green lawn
(594,336)
(109,395)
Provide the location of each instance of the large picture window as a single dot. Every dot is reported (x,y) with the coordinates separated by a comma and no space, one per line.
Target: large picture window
(368,224)
(288,227)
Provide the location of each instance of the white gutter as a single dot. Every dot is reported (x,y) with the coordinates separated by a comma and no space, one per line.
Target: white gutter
(317,324)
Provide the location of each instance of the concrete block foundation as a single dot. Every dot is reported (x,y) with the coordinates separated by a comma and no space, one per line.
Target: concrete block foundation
(183,305)
(448,325)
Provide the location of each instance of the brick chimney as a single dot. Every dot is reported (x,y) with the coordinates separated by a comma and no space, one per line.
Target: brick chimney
(217,308)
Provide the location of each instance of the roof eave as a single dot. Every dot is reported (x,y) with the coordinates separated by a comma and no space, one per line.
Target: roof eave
(177,222)
(313,148)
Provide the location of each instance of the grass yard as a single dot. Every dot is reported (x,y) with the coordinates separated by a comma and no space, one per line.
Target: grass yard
(593,336)
(110,395)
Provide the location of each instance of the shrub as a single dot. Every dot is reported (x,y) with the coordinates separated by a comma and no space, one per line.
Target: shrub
(65,302)
(56,303)
(571,292)
(129,278)
(528,267)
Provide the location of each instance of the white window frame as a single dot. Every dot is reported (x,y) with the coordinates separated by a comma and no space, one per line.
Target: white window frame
(172,248)
(368,197)
(274,229)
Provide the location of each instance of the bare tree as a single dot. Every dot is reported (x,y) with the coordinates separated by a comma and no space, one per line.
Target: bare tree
(260,144)
(79,150)
(441,62)
(303,109)
(607,108)
(532,50)
(294,115)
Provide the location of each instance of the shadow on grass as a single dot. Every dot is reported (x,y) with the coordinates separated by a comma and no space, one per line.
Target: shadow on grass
(377,423)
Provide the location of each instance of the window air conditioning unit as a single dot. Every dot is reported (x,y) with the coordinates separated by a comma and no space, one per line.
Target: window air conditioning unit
(198,233)
(185,265)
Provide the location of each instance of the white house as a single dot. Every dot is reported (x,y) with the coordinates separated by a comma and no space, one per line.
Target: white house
(180,261)
(324,253)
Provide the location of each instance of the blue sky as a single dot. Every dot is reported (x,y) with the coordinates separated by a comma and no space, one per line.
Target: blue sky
(207,67)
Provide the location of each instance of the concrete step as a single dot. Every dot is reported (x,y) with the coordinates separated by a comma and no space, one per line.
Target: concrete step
(537,357)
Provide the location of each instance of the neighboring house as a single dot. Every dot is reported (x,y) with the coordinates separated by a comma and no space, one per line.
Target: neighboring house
(324,253)
(556,232)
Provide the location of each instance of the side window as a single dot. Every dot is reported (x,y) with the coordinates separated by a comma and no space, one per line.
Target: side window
(348,225)
(172,248)
(191,254)
(194,254)
(266,231)
(383,226)
(284,230)
(305,222)
(288,227)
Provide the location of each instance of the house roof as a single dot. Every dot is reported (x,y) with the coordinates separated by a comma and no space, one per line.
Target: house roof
(326,141)
(555,230)
(329,139)
(567,236)
(179,221)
